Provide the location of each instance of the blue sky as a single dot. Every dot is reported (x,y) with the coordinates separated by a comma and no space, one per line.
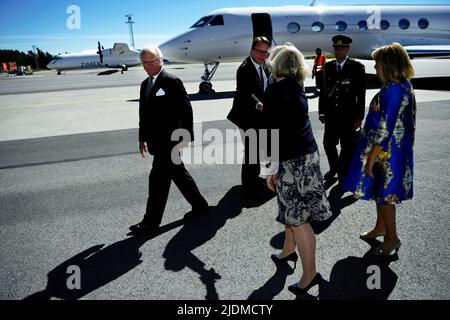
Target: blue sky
(44,23)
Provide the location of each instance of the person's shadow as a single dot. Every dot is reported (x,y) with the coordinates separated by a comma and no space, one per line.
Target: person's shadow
(277,282)
(337,203)
(197,231)
(366,278)
(97,266)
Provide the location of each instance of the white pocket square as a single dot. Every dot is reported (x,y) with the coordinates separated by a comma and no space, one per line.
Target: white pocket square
(160,92)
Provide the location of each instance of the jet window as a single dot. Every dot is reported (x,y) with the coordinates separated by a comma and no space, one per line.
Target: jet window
(293,27)
(384,24)
(423,23)
(341,26)
(403,24)
(362,25)
(317,26)
(202,22)
(217,21)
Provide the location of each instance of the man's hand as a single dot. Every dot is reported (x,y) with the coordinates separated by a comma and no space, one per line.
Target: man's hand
(260,107)
(272,182)
(322,119)
(143,148)
(358,123)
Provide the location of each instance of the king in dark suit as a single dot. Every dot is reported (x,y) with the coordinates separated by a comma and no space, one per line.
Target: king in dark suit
(164,107)
(341,106)
(251,81)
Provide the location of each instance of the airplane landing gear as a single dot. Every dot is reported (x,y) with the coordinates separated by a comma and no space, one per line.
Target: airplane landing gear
(205,86)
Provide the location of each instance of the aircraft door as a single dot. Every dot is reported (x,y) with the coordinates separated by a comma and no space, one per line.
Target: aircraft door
(262,25)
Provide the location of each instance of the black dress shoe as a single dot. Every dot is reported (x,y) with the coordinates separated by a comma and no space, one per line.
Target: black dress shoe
(142,227)
(295,289)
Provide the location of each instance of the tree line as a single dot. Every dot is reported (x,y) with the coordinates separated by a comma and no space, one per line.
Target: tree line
(27,59)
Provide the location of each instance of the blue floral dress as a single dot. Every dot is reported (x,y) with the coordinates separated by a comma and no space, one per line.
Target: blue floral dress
(390,123)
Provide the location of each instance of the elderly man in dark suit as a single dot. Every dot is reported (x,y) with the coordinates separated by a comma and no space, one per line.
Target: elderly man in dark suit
(341,106)
(251,81)
(164,107)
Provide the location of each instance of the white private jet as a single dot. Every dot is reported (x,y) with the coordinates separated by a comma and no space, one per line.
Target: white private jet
(225,35)
(119,56)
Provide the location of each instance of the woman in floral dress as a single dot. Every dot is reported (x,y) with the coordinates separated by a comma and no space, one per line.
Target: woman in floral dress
(382,166)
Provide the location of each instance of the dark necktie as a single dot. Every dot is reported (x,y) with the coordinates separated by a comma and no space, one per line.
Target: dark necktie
(261,76)
(149,86)
(339,68)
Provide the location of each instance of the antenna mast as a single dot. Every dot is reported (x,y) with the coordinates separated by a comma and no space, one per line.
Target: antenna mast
(130,23)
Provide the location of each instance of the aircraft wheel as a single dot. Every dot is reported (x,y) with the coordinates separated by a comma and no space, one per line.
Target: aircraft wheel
(206,87)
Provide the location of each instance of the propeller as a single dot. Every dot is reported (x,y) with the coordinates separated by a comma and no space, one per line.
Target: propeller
(100,52)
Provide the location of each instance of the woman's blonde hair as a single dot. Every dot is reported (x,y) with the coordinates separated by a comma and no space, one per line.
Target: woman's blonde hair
(393,63)
(287,61)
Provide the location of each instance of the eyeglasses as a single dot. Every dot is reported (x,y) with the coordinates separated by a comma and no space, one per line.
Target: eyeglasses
(261,51)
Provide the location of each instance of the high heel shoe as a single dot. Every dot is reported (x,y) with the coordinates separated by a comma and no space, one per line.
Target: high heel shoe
(295,289)
(292,257)
(383,251)
(365,236)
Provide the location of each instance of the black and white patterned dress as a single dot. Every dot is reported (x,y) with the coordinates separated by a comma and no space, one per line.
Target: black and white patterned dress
(301,194)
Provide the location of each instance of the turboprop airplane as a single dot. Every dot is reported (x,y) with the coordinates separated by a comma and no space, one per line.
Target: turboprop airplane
(119,56)
(225,35)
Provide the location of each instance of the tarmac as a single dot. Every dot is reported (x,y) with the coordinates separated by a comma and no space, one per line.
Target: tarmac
(72,182)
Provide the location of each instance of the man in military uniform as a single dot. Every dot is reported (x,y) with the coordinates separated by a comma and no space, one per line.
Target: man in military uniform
(341,106)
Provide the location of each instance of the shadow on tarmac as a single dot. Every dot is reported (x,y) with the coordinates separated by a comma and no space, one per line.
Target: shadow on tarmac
(350,278)
(199,230)
(107,72)
(337,203)
(100,265)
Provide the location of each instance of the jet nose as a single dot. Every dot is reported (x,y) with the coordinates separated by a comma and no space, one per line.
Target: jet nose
(168,50)
(51,64)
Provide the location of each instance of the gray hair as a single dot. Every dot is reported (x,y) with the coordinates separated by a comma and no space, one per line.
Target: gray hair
(289,62)
(273,53)
(152,49)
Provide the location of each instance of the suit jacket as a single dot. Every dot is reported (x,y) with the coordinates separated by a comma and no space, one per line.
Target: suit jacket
(248,93)
(166,109)
(286,109)
(344,95)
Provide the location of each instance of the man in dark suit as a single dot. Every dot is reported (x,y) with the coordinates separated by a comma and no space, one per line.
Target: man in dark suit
(164,107)
(251,81)
(341,106)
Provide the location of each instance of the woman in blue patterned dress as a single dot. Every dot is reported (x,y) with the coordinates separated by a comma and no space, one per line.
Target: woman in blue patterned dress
(382,166)
(296,177)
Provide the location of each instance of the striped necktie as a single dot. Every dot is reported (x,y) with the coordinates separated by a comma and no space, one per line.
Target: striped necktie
(339,68)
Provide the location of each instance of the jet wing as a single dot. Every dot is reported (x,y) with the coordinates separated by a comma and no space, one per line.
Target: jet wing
(433,51)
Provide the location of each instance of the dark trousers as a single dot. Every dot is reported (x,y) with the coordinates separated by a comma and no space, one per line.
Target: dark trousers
(161,176)
(250,166)
(343,132)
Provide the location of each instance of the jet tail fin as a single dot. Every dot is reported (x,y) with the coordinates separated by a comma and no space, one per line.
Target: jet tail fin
(120,48)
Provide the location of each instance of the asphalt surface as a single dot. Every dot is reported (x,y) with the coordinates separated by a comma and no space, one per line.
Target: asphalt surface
(68,200)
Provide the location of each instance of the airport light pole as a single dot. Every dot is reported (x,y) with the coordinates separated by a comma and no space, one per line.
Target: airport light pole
(36,61)
(130,23)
